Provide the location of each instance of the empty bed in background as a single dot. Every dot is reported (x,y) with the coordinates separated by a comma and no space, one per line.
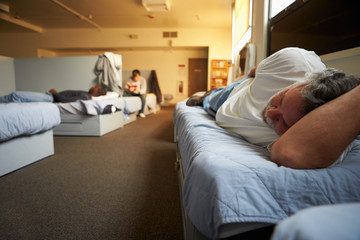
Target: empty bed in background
(26,134)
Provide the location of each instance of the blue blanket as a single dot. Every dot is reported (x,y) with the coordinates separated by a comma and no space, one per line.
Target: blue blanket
(18,119)
(228,180)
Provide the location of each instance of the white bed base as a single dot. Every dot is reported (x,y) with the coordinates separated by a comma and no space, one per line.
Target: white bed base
(22,151)
(85,125)
(148,110)
(99,125)
(130,118)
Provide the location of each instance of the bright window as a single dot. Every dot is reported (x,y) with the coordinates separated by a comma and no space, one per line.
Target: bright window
(243,19)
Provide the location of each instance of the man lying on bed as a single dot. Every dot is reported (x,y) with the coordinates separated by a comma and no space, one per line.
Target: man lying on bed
(244,108)
(74,95)
(53,95)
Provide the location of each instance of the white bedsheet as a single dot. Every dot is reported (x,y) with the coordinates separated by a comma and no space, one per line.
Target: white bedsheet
(131,104)
(96,106)
(151,101)
(89,107)
(227,180)
(27,118)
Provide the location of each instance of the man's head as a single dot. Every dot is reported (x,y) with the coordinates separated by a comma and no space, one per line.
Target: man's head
(291,104)
(136,75)
(96,91)
(284,109)
(325,86)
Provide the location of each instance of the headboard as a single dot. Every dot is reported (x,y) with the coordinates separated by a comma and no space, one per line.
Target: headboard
(322,26)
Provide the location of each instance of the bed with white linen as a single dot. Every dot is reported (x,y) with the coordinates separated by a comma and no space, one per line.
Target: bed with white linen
(87,117)
(26,133)
(93,118)
(151,104)
(228,185)
(133,105)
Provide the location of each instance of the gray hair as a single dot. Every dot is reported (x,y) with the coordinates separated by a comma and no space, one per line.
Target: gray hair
(325,86)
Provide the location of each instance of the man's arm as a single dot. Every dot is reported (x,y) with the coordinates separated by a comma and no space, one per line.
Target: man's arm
(319,138)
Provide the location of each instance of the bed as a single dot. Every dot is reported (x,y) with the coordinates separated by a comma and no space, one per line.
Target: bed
(91,118)
(26,134)
(228,186)
(88,117)
(151,104)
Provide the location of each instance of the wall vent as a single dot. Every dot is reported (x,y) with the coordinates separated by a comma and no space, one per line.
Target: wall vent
(170,34)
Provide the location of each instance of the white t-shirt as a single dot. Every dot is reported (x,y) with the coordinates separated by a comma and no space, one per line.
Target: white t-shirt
(140,85)
(242,111)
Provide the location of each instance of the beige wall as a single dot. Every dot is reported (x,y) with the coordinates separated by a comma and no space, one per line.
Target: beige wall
(346,60)
(149,49)
(166,63)
(27,44)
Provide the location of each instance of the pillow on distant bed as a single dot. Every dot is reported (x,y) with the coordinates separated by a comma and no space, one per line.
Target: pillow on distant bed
(25,96)
(241,112)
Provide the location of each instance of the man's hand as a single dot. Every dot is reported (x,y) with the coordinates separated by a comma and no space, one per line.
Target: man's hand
(252,72)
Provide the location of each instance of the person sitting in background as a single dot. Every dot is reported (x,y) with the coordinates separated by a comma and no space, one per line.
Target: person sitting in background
(281,103)
(74,95)
(136,86)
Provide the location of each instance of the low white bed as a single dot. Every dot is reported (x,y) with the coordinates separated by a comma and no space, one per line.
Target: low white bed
(87,117)
(83,125)
(26,134)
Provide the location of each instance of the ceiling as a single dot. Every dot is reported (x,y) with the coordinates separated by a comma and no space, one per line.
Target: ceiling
(41,15)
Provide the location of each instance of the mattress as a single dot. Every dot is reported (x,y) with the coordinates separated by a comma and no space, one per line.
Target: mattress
(151,102)
(17,119)
(95,107)
(87,117)
(89,107)
(229,182)
(131,104)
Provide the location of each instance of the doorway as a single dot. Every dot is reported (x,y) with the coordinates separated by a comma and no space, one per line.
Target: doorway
(198,75)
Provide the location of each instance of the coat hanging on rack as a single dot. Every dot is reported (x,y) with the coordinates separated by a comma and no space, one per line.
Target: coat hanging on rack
(154,86)
(107,69)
